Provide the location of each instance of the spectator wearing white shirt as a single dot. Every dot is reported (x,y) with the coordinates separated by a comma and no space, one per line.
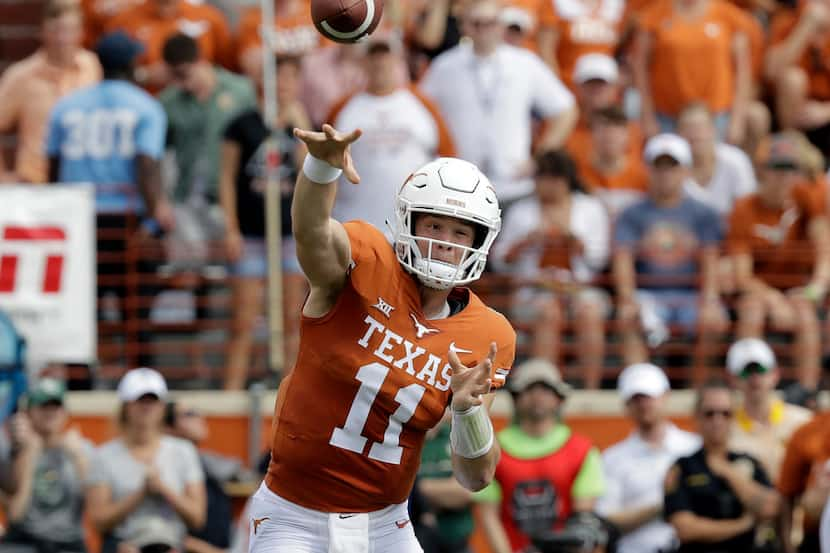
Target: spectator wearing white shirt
(402,131)
(635,467)
(488,91)
(720,173)
(558,239)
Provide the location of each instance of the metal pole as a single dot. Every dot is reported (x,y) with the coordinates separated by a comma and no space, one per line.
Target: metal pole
(255,395)
(273,223)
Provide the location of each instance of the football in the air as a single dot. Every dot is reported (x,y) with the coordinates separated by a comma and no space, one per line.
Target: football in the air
(346,20)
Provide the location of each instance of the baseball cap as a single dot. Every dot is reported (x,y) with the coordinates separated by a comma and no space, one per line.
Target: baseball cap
(385,39)
(140,382)
(154,531)
(535,371)
(780,152)
(118,50)
(512,16)
(46,390)
(596,67)
(749,351)
(668,144)
(644,379)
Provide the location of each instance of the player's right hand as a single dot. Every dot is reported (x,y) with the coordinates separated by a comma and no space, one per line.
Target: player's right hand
(468,384)
(332,147)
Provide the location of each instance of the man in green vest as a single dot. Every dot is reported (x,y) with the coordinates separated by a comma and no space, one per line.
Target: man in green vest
(546,472)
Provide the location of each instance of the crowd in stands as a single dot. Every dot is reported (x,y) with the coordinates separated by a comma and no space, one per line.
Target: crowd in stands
(661,169)
(661,165)
(753,477)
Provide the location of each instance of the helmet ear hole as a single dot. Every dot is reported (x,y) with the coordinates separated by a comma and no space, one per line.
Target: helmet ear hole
(480,236)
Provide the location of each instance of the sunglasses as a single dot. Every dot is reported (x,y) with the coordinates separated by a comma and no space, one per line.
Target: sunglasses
(712,413)
(753,368)
(483,23)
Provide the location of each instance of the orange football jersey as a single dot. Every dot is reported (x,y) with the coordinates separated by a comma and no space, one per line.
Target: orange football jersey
(371,378)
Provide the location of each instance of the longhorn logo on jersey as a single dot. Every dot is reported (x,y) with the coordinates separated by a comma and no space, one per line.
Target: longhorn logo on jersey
(421,330)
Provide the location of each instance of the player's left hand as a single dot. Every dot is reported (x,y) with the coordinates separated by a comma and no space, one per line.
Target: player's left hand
(468,384)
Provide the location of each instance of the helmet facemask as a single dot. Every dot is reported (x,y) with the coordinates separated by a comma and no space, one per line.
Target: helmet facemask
(434,273)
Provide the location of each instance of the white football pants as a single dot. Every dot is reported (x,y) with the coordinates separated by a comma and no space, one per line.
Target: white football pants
(280,526)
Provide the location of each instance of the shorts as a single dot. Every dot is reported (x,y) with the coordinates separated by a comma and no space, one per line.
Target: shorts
(661,309)
(668,123)
(254,260)
(525,304)
(280,526)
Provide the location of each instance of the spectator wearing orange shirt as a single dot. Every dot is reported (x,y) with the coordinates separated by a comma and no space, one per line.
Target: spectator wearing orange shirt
(797,64)
(570,29)
(31,87)
(99,13)
(606,167)
(805,481)
(295,34)
(693,50)
(154,21)
(778,243)
(598,85)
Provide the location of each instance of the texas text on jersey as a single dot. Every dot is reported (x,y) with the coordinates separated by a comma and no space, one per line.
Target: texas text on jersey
(371,378)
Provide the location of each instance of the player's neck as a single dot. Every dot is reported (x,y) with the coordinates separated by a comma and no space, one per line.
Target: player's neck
(434,303)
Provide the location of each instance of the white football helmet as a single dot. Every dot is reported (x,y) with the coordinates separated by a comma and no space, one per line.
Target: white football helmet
(450,187)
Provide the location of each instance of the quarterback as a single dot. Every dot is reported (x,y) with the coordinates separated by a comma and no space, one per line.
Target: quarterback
(389,341)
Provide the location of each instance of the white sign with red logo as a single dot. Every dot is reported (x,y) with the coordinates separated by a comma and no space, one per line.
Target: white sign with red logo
(47,270)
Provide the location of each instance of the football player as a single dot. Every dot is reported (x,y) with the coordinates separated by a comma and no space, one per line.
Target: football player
(389,340)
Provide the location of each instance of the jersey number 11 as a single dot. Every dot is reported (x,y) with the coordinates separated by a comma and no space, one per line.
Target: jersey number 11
(349,436)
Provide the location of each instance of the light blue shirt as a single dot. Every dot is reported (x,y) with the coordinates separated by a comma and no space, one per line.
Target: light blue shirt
(98,132)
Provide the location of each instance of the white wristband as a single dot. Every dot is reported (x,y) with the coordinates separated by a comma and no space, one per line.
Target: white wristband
(471,434)
(319,171)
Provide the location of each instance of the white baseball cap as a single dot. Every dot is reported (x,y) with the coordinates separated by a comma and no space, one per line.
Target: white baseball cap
(644,379)
(668,144)
(518,17)
(140,382)
(596,67)
(748,351)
